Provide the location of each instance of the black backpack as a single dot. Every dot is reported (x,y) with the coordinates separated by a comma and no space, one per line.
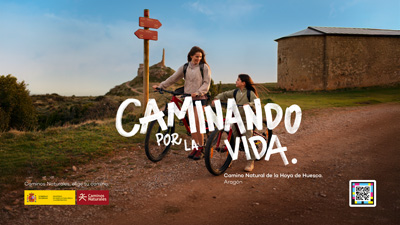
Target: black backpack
(186,66)
(235,93)
(202,76)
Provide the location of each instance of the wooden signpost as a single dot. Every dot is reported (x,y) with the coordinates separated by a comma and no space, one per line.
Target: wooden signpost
(147,35)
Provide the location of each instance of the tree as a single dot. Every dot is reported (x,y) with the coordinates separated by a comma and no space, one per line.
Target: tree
(214,90)
(16,107)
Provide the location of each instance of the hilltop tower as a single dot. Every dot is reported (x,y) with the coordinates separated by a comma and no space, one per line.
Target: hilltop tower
(163,58)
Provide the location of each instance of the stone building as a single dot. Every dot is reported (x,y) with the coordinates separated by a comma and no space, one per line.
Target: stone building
(328,58)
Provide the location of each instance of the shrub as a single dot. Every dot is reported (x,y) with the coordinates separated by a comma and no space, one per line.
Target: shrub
(214,90)
(16,107)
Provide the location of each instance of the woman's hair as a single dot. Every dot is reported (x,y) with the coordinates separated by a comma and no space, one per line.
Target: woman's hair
(193,51)
(249,83)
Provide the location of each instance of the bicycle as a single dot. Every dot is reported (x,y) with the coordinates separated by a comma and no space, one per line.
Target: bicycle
(154,151)
(216,154)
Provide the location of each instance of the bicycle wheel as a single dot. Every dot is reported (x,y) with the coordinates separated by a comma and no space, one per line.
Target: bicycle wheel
(154,151)
(266,134)
(217,157)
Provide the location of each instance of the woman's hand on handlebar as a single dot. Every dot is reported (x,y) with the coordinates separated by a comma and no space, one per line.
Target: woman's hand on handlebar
(155,87)
(194,95)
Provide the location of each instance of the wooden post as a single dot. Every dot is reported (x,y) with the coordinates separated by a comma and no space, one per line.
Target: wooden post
(147,35)
(146,67)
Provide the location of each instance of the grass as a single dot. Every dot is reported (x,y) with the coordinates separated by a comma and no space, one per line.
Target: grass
(50,152)
(45,153)
(324,99)
(337,98)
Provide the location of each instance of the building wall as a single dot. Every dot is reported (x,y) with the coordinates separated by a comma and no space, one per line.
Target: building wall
(362,61)
(300,63)
(333,62)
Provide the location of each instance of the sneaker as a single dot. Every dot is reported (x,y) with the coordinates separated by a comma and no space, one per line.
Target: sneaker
(199,153)
(250,166)
(192,153)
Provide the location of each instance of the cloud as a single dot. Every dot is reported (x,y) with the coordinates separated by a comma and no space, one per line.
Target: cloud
(229,9)
(202,8)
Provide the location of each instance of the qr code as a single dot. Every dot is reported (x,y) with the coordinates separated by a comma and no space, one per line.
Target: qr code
(362,193)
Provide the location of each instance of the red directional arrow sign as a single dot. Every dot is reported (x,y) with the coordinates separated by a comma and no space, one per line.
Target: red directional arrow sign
(147,34)
(150,23)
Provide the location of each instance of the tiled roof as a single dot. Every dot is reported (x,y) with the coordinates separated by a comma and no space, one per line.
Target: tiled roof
(343,31)
(357,31)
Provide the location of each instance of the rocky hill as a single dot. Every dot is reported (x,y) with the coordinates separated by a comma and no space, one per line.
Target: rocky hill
(157,73)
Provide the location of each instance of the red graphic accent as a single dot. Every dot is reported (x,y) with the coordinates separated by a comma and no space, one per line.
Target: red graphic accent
(92,197)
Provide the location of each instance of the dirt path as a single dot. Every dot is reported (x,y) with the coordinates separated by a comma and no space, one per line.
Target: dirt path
(340,144)
(131,88)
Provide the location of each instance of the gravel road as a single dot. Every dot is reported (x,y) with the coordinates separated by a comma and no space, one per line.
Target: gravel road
(331,147)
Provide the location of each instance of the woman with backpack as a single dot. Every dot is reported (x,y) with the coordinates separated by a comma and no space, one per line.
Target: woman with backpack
(197,75)
(244,94)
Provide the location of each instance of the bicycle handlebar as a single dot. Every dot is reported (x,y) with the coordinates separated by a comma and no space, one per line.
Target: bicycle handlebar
(161,91)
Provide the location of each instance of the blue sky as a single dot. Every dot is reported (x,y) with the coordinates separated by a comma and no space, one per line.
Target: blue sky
(81,47)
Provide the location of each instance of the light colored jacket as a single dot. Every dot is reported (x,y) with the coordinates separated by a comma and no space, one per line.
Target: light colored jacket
(241,98)
(194,82)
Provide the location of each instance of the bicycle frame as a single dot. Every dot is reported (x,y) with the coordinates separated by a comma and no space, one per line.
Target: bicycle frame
(178,104)
(237,128)
(229,135)
(156,153)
